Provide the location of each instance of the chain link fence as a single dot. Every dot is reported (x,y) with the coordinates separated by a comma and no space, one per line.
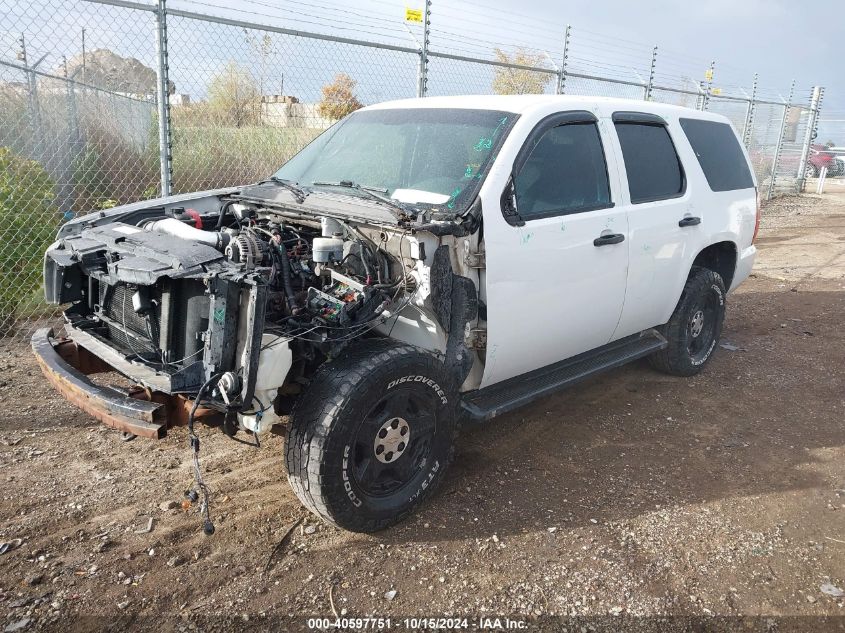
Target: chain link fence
(104,102)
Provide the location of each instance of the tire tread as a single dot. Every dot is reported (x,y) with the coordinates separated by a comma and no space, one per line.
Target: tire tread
(315,411)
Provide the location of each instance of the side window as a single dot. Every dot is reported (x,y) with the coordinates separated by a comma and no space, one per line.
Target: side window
(564,173)
(719,154)
(653,167)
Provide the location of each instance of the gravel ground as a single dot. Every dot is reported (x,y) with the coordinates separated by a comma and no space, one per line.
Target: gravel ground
(637,501)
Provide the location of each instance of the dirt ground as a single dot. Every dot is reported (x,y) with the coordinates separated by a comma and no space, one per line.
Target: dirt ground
(636,501)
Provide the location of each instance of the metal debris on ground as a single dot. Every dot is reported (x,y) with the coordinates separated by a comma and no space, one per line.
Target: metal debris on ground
(18,625)
(832,590)
(8,546)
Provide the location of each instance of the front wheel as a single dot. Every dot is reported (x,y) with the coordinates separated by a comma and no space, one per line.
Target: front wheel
(372,436)
(694,328)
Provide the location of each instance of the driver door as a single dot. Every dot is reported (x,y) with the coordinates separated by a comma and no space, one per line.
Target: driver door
(557,250)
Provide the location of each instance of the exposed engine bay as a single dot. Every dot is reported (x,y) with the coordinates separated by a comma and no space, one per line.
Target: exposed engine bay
(232,301)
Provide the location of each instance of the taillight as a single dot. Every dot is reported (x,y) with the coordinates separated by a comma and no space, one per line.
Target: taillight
(759,215)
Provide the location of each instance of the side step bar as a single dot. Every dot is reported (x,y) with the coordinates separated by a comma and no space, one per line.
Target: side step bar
(485,404)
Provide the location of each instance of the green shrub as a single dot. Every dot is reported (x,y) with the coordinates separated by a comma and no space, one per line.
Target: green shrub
(28,222)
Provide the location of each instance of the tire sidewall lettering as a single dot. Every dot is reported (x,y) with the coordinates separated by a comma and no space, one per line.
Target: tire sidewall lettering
(721,297)
(432,473)
(347,483)
(441,393)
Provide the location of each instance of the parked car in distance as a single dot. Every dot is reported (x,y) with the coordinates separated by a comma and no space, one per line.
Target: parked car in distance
(421,264)
(818,158)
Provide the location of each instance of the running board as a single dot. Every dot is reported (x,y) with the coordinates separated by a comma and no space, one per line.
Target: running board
(487,403)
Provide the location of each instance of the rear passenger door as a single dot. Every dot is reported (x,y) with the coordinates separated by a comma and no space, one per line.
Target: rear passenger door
(664,224)
(557,250)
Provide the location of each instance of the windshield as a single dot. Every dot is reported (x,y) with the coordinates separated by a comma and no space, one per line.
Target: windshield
(419,156)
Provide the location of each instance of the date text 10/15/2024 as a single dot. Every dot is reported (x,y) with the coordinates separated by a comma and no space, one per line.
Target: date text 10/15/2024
(417,623)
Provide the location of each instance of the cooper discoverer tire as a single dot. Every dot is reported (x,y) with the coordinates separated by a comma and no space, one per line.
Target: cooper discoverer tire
(371,437)
(695,327)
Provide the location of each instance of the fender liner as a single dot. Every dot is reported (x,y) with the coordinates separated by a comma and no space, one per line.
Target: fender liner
(455,302)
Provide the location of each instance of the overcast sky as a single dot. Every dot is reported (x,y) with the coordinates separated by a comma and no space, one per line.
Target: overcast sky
(779,39)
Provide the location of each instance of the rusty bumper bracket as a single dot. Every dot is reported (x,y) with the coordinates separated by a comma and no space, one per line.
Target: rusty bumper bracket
(142,412)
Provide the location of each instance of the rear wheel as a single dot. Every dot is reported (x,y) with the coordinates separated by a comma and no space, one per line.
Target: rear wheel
(372,436)
(811,171)
(695,326)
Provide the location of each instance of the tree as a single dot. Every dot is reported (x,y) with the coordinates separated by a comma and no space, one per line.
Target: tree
(518,81)
(264,47)
(234,97)
(28,223)
(339,98)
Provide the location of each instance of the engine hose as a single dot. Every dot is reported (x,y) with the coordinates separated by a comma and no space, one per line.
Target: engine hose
(222,215)
(286,281)
(384,266)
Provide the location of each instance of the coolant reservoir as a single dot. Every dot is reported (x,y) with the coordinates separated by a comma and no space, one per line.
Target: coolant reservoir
(274,362)
(327,249)
(330,227)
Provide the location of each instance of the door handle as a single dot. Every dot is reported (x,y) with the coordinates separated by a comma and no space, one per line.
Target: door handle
(689,221)
(612,238)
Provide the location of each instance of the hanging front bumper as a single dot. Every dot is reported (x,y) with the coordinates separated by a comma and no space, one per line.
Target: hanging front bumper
(140,411)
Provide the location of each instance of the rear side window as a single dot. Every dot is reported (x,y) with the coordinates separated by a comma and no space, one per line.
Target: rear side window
(653,167)
(719,154)
(564,173)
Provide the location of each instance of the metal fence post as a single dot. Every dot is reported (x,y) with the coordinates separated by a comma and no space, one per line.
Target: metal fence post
(422,74)
(33,106)
(67,155)
(810,134)
(163,98)
(650,86)
(779,147)
(748,125)
(705,99)
(561,76)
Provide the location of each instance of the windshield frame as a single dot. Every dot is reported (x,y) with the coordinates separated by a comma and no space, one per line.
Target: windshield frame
(460,201)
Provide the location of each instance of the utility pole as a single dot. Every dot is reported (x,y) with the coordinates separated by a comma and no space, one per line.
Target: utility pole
(163,98)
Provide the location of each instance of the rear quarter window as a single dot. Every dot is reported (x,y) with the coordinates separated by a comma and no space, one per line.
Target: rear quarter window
(719,153)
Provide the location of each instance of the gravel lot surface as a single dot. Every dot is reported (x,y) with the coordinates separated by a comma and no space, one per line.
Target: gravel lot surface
(632,498)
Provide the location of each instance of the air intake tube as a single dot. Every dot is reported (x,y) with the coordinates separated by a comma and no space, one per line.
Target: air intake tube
(176,228)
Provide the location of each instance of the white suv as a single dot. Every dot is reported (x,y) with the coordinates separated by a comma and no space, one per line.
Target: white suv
(420,263)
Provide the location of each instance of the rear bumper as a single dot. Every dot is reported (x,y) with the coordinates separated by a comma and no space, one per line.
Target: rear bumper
(140,410)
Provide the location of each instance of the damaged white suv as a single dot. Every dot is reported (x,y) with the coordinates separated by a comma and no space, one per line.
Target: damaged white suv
(419,264)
